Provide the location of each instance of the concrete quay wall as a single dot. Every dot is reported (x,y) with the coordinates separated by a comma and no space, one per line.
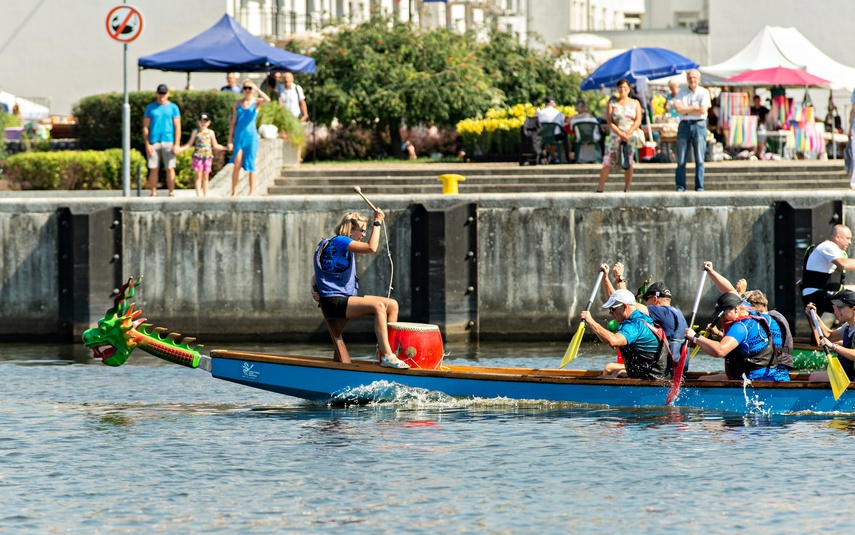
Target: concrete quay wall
(230,269)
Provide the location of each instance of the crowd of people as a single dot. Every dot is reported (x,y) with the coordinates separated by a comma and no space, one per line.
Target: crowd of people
(162,131)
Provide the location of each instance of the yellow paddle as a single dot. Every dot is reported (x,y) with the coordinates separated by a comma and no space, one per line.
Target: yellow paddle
(836,374)
(573,350)
(697,348)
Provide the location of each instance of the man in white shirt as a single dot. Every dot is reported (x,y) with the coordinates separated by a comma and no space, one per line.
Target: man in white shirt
(292,98)
(691,104)
(550,114)
(821,264)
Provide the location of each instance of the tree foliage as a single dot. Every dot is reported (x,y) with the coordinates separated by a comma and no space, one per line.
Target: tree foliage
(524,75)
(388,72)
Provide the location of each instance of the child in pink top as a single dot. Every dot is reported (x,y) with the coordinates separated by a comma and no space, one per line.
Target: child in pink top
(204,142)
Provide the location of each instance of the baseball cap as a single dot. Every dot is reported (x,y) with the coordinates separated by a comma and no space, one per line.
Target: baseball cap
(204,117)
(727,301)
(549,99)
(162,89)
(657,289)
(620,297)
(843,298)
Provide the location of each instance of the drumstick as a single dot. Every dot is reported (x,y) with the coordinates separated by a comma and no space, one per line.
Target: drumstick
(358,190)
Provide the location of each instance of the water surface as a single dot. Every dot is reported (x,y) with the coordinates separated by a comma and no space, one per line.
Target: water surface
(152,447)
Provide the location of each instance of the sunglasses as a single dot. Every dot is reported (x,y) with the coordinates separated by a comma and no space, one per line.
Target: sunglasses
(247,88)
(613,309)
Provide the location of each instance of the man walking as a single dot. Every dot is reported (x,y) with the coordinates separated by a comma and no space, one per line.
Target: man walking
(691,104)
(292,98)
(162,135)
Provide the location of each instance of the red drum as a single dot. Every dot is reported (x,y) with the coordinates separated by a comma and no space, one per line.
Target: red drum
(417,344)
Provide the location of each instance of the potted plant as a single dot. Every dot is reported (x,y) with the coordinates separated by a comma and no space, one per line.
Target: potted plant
(290,129)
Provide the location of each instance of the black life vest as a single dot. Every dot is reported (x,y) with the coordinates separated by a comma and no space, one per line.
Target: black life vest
(829,282)
(738,362)
(655,365)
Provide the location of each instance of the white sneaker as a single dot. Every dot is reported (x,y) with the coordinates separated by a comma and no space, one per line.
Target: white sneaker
(391,361)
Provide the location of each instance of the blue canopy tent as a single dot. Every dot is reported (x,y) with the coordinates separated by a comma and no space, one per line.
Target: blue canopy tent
(227,47)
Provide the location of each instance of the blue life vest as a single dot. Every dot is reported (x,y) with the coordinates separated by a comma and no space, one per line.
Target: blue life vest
(762,355)
(332,283)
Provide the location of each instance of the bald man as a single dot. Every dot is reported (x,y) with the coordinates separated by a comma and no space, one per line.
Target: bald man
(819,280)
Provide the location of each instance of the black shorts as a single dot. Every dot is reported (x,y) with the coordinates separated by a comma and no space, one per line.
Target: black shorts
(334,307)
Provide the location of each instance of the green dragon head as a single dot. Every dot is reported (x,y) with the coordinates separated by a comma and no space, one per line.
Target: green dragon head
(112,340)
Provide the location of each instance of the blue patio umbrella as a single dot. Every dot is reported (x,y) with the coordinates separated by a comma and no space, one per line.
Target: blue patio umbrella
(635,63)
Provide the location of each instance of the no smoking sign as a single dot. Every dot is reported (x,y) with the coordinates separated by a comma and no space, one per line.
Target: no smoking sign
(124,23)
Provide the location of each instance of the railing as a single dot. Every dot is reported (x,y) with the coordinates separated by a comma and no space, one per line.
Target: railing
(271,23)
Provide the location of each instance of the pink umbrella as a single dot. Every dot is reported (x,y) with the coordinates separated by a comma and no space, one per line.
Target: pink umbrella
(778,76)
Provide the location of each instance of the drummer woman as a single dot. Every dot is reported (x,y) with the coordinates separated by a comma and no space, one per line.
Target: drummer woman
(335,284)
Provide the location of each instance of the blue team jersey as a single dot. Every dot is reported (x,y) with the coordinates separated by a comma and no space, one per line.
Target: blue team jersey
(639,334)
(751,338)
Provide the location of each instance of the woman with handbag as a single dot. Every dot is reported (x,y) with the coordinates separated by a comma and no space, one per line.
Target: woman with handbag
(624,118)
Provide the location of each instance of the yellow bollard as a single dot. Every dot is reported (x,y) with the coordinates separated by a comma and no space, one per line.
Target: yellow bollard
(449,183)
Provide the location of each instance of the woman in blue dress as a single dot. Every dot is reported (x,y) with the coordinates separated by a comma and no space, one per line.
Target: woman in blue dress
(243,134)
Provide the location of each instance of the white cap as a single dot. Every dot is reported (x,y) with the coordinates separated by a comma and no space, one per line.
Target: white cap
(620,297)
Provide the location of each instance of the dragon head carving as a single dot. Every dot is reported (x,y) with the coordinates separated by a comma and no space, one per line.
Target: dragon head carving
(113,339)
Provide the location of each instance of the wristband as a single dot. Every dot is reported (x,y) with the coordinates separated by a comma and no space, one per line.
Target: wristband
(376,223)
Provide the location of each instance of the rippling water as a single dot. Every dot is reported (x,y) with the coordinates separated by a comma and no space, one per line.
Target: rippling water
(155,448)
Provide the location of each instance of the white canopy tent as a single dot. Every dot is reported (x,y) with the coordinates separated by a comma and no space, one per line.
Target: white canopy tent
(775,46)
(29,109)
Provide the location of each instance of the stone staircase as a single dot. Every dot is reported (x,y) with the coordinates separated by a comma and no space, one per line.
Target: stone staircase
(402,178)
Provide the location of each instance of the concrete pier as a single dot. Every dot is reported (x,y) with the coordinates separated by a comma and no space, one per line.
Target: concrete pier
(229,269)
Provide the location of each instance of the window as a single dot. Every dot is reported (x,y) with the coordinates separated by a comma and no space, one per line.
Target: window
(686,19)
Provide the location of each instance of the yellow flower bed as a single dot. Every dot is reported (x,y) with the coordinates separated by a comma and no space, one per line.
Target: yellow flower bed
(498,132)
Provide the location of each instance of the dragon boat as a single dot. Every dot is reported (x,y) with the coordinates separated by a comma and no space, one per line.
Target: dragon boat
(326,380)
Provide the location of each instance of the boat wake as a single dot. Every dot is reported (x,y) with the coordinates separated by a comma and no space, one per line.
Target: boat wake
(407,397)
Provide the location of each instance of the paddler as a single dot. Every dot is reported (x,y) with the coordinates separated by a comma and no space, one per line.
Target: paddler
(656,303)
(642,345)
(756,302)
(842,339)
(820,280)
(747,346)
(335,285)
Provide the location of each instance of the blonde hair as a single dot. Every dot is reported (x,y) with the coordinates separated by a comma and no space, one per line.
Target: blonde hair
(345,226)
(756,298)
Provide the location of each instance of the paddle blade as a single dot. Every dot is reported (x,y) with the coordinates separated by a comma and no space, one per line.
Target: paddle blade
(836,376)
(677,379)
(573,349)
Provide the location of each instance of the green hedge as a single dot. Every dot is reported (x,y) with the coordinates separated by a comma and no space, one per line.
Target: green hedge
(69,170)
(99,117)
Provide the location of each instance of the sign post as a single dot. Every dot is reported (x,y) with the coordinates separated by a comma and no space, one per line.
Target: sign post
(125,24)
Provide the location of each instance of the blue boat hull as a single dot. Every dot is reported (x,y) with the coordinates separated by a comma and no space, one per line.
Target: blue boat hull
(322,380)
